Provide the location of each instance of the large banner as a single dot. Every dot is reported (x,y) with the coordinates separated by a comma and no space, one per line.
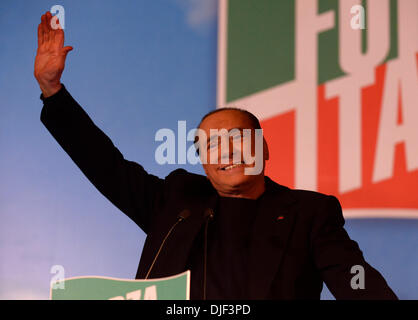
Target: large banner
(335,85)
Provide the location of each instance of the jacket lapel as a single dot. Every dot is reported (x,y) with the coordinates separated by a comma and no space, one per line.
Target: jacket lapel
(271,231)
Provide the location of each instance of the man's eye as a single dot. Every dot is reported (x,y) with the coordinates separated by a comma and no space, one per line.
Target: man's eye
(213,144)
(236,137)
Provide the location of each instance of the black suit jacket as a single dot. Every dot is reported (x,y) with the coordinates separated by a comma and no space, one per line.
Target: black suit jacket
(290,257)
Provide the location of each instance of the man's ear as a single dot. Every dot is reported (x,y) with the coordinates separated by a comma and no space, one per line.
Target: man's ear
(266,153)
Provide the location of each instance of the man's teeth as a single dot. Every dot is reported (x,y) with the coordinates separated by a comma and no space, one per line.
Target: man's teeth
(232,166)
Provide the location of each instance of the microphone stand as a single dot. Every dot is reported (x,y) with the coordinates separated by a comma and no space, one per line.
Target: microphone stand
(208,216)
(182,216)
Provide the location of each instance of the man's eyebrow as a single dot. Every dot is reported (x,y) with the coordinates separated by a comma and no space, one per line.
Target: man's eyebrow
(212,138)
(217,135)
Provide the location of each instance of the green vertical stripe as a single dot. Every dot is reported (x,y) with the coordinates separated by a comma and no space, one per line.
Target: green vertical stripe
(364,33)
(393,51)
(328,51)
(261,45)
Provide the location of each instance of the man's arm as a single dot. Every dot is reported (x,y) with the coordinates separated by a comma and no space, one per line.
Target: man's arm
(126,184)
(335,254)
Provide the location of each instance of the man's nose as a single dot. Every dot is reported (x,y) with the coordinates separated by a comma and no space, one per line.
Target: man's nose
(232,150)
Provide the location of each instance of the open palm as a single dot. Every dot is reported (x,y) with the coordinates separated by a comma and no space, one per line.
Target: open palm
(51,53)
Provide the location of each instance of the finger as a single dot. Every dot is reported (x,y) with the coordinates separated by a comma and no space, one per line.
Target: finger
(40,35)
(59,36)
(53,30)
(66,49)
(59,39)
(48,18)
(41,31)
(52,38)
(50,35)
(45,28)
(44,20)
(58,24)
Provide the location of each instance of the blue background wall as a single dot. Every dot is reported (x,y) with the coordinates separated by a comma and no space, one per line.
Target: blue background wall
(136,67)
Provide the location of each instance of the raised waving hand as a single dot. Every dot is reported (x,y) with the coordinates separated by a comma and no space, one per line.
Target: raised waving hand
(50,56)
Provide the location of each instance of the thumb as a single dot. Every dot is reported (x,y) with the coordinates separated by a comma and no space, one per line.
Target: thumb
(67,49)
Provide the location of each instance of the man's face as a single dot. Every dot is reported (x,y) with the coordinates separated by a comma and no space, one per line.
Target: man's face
(226,174)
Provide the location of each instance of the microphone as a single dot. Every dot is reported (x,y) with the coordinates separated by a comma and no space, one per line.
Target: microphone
(208,216)
(183,215)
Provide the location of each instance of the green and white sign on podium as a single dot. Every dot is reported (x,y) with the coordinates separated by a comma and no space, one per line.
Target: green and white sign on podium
(176,287)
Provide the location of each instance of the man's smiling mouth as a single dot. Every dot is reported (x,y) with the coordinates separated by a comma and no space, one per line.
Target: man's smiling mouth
(231,166)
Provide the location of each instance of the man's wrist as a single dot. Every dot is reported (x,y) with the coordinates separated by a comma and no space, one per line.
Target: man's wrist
(50,89)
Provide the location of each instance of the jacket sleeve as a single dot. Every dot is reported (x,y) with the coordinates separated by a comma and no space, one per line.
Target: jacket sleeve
(340,260)
(125,183)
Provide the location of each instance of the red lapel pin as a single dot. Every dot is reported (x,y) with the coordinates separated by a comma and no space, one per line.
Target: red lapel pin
(280,218)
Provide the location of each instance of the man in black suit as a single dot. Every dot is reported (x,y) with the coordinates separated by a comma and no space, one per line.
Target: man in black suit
(242,235)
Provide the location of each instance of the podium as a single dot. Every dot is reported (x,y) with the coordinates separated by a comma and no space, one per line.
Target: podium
(176,287)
